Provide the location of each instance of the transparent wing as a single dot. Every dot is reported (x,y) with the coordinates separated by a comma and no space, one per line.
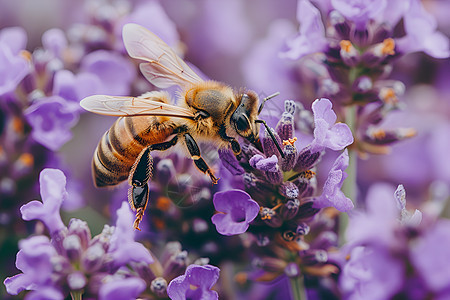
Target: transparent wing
(133,106)
(164,68)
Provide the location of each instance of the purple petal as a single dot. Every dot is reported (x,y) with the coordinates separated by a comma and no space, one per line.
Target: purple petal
(126,289)
(327,134)
(332,196)
(15,38)
(421,34)
(339,137)
(46,292)
(360,11)
(51,119)
(55,41)
(431,256)
(34,260)
(115,72)
(237,211)
(371,273)
(151,15)
(123,247)
(265,164)
(200,277)
(312,33)
(322,110)
(13,69)
(53,192)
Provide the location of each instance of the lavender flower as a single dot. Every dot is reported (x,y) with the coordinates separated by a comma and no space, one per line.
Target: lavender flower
(421,33)
(126,288)
(123,248)
(53,193)
(52,118)
(399,246)
(14,65)
(202,278)
(327,134)
(284,189)
(332,194)
(72,260)
(236,210)
(311,38)
(34,260)
(357,54)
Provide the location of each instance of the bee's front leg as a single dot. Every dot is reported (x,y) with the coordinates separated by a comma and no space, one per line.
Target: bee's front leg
(235,147)
(200,163)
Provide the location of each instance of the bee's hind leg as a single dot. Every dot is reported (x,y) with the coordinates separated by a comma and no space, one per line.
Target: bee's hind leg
(138,179)
(140,174)
(200,163)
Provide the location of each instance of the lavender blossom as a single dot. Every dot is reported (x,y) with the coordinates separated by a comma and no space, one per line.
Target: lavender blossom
(236,210)
(311,38)
(34,260)
(357,53)
(421,33)
(53,193)
(327,134)
(52,118)
(14,65)
(123,248)
(202,278)
(332,194)
(399,246)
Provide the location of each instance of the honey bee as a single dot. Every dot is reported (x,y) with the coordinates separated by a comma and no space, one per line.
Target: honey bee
(208,110)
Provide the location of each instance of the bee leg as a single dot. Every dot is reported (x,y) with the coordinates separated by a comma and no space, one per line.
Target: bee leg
(138,179)
(200,163)
(235,147)
(139,176)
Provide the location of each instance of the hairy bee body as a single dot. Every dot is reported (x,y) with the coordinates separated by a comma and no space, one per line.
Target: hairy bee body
(121,144)
(207,110)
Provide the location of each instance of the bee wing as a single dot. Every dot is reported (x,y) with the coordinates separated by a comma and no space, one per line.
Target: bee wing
(133,106)
(164,67)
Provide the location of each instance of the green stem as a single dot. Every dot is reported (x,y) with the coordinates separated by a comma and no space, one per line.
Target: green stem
(349,187)
(76,295)
(298,288)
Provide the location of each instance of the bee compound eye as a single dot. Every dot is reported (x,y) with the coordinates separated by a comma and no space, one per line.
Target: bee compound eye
(242,123)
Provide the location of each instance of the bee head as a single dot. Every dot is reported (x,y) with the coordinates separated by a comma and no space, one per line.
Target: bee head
(243,118)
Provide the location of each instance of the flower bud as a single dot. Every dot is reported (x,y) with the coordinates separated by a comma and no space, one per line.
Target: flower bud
(268,144)
(176,265)
(292,270)
(306,210)
(306,160)
(159,287)
(72,246)
(302,229)
(230,162)
(76,281)
(289,209)
(341,27)
(165,170)
(288,190)
(285,126)
(290,157)
(313,257)
(93,258)
(81,229)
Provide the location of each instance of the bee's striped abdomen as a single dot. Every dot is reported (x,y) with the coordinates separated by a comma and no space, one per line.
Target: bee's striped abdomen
(122,143)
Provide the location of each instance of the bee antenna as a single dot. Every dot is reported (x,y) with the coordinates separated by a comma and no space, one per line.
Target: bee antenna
(265,99)
(272,136)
